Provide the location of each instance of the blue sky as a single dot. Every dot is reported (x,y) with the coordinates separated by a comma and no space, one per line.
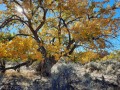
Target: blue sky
(2,7)
(116,42)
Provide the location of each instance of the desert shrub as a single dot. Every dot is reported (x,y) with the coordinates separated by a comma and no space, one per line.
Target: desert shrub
(69,76)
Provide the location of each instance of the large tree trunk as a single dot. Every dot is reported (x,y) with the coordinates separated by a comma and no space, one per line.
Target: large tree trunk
(44,67)
(2,65)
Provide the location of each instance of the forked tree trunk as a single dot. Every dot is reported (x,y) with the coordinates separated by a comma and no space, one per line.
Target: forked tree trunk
(44,67)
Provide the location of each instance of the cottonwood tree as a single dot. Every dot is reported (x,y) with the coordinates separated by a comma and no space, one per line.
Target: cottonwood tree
(61,26)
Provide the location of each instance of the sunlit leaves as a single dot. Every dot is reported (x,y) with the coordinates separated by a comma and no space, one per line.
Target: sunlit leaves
(88,56)
(114,55)
(20,48)
(3,52)
(85,57)
(59,26)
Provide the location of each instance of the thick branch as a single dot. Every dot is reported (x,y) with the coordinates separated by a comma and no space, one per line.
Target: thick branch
(44,19)
(70,43)
(71,50)
(69,35)
(67,29)
(21,64)
(12,18)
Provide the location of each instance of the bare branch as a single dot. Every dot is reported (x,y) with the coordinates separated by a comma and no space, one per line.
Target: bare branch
(21,64)
(12,18)
(73,20)
(44,19)
(69,36)
(71,50)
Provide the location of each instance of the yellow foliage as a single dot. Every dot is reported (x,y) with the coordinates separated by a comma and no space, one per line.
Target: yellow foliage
(87,56)
(19,47)
(58,26)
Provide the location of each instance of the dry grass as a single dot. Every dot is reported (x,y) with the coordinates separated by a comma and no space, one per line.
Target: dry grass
(24,73)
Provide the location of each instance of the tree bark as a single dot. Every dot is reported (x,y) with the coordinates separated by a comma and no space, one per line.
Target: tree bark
(2,65)
(44,67)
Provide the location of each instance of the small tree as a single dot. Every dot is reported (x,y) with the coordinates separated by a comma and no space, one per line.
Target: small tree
(61,26)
